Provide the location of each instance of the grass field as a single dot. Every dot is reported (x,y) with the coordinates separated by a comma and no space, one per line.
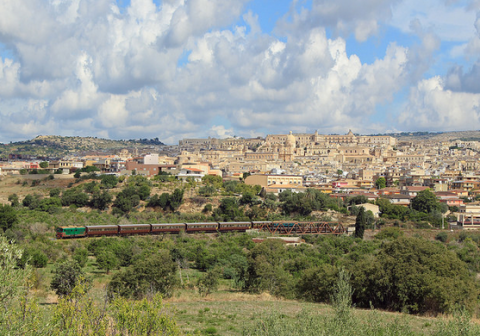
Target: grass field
(228,313)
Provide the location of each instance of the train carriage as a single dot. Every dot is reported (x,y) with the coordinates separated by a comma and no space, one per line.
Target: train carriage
(203,227)
(129,229)
(101,230)
(234,226)
(168,228)
(70,232)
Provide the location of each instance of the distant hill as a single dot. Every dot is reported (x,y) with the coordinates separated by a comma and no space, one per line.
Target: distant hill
(436,136)
(57,146)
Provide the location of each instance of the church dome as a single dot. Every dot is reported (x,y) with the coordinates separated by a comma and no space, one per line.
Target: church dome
(290,142)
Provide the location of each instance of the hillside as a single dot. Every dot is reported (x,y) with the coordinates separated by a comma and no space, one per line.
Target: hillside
(437,136)
(58,146)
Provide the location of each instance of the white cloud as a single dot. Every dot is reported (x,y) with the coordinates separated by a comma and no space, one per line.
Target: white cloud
(88,67)
(220,132)
(431,107)
(448,21)
(344,16)
(112,112)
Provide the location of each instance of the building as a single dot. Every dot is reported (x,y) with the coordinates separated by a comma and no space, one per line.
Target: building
(468,216)
(265,180)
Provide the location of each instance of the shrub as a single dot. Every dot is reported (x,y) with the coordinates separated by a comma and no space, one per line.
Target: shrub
(67,275)
(151,273)
(207,208)
(442,236)
(80,256)
(389,233)
(8,217)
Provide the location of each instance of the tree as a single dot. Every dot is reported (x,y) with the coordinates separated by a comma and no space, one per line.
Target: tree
(415,275)
(208,282)
(33,257)
(426,202)
(107,260)
(176,199)
(265,271)
(19,313)
(381,183)
(67,275)
(31,201)
(213,180)
(152,272)
(50,205)
(44,164)
(228,210)
(13,199)
(8,217)
(55,192)
(316,283)
(90,169)
(144,192)
(101,200)
(248,198)
(360,223)
(12,278)
(207,191)
(80,256)
(91,187)
(109,181)
(74,197)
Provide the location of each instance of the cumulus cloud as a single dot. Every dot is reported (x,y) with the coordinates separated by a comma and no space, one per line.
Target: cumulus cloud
(220,132)
(432,107)
(447,20)
(361,18)
(90,67)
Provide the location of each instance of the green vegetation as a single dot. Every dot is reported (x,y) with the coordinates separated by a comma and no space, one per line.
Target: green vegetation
(58,146)
(395,271)
(381,183)
(360,223)
(67,275)
(8,217)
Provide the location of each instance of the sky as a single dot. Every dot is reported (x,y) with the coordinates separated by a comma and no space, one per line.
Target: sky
(173,69)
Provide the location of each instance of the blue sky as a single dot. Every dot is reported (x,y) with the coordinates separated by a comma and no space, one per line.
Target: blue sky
(197,68)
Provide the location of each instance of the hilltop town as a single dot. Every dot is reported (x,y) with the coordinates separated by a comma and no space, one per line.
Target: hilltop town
(393,167)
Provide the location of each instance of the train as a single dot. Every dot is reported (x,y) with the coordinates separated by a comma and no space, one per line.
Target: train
(281,227)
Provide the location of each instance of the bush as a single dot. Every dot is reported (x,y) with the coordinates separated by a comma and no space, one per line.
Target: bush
(150,273)
(208,282)
(207,208)
(389,233)
(67,275)
(414,275)
(442,236)
(207,191)
(33,257)
(8,217)
(211,330)
(80,256)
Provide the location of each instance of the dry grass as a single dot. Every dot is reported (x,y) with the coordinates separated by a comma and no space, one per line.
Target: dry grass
(230,312)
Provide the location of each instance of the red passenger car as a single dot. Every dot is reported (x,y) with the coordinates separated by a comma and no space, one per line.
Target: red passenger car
(101,230)
(234,226)
(168,228)
(130,229)
(202,227)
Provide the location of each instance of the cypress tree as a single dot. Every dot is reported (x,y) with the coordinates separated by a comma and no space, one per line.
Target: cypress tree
(360,223)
